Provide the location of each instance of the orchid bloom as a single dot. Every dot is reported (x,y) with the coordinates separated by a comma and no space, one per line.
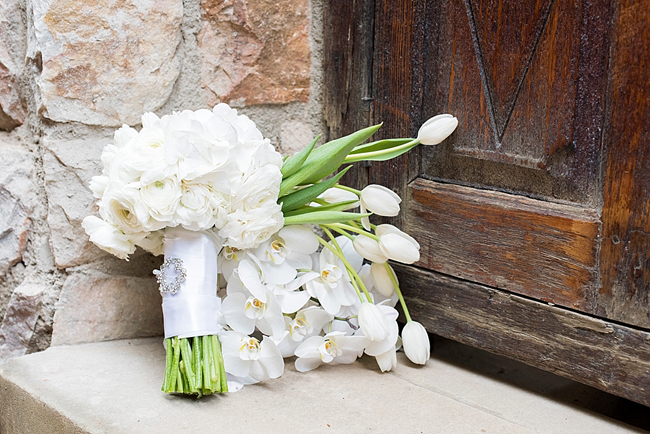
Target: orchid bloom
(333,347)
(245,356)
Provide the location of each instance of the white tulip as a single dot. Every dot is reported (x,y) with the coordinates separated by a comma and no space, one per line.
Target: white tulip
(369,249)
(373,322)
(336,195)
(437,129)
(387,360)
(416,342)
(397,245)
(381,280)
(380,200)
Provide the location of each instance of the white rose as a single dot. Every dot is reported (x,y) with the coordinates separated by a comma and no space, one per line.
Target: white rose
(161,199)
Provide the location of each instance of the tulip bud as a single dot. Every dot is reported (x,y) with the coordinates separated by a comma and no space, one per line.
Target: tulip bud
(381,279)
(373,322)
(380,200)
(387,360)
(416,342)
(390,229)
(336,195)
(369,249)
(399,248)
(437,129)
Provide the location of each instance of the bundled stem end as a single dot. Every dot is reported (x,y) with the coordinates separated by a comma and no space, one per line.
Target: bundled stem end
(194,366)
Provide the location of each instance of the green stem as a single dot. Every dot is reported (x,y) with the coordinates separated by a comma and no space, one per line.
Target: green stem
(340,231)
(347,266)
(187,358)
(177,356)
(365,155)
(397,290)
(353,229)
(346,188)
(168,365)
(207,378)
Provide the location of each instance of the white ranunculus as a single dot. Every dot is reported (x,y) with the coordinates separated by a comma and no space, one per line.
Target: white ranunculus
(369,249)
(437,129)
(200,207)
(108,237)
(258,187)
(161,199)
(153,243)
(247,229)
(122,208)
(416,342)
(98,185)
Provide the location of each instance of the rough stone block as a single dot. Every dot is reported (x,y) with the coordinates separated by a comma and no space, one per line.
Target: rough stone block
(95,307)
(20,318)
(294,136)
(255,52)
(12,34)
(105,63)
(69,166)
(16,203)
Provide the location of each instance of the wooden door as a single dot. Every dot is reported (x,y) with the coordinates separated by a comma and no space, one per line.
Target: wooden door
(534,216)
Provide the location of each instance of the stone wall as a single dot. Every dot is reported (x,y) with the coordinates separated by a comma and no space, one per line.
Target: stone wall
(71,71)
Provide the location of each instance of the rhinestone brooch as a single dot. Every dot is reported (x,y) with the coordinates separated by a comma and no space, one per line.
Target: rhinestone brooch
(161,277)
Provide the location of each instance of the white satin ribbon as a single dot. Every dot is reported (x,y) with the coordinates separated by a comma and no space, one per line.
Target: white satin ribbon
(194,309)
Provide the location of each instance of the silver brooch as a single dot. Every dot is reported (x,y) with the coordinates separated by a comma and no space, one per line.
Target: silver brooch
(174,286)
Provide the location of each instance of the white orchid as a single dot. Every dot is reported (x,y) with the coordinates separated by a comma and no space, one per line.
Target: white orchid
(245,356)
(333,347)
(332,288)
(379,324)
(306,323)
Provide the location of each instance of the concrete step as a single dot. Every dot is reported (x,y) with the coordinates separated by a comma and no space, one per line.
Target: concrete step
(114,387)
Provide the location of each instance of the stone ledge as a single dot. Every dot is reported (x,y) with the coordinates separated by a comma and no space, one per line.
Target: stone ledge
(114,387)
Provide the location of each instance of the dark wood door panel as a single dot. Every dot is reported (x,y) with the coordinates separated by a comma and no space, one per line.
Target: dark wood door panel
(605,355)
(526,80)
(542,250)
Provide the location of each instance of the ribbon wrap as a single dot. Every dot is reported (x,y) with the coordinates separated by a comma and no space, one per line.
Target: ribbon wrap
(194,309)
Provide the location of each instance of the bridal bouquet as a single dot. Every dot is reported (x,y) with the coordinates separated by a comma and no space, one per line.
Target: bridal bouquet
(265,258)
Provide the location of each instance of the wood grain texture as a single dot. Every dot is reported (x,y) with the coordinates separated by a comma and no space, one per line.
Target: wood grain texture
(543,250)
(348,27)
(526,80)
(608,356)
(625,253)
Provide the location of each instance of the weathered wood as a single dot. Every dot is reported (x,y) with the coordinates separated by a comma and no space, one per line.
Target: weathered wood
(625,253)
(543,250)
(526,80)
(608,356)
(347,64)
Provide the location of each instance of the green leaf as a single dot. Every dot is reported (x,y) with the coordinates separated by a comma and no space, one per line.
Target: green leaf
(323,218)
(306,195)
(324,160)
(353,158)
(339,206)
(379,145)
(295,162)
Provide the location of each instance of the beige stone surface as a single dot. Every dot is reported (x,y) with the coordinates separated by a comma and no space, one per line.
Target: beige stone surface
(295,136)
(20,318)
(105,63)
(255,52)
(95,306)
(114,387)
(69,166)
(16,201)
(12,33)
